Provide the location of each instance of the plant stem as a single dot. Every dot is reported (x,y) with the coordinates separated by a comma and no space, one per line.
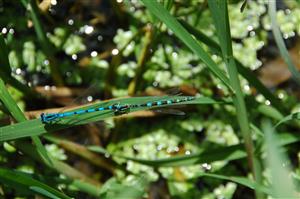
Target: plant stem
(137,81)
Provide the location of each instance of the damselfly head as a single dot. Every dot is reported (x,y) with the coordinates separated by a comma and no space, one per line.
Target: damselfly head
(122,109)
(45,118)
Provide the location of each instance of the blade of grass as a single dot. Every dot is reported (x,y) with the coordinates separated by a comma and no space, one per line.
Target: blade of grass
(222,153)
(280,43)
(228,153)
(219,12)
(26,183)
(16,113)
(9,102)
(137,81)
(293,116)
(282,184)
(82,152)
(114,189)
(36,127)
(245,72)
(5,72)
(5,66)
(47,47)
(160,12)
(240,180)
(60,167)
(270,112)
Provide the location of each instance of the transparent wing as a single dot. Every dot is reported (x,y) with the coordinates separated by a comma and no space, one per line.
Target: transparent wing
(169,111)
(83,98)
(174,91)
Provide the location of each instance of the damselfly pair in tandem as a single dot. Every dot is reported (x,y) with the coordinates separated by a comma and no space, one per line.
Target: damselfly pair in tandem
(118,108)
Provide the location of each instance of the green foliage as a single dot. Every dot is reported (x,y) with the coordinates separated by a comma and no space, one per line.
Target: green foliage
(26,184)
(211,49)
(279,166)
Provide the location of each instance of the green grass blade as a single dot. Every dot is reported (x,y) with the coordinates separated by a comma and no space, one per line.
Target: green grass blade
(47,47)
(5,71)
(222,153)
(245,72)
(26,183)
(220,16)
(10,103)
(82,152)
(228,153)
(31,6)
(270,112)
(293,116)
(282,184)
(254,81)
(280,43)
(16,113)
(160,12)
(114,189)
(36,127)
(240,180)
(5,66)
(213,45)
(74,176)
(85,187)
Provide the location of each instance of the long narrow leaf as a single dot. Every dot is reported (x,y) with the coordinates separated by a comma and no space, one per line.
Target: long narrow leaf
(280,43)
(4,63)
(26,183)
(73,176)
(293,116)
(222,153)
(220,15)
(240,180)
(16,113)
(5,71)
(47,47)
(160,12)
(36,127)
(281,181)
(245,72)
(228,153)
